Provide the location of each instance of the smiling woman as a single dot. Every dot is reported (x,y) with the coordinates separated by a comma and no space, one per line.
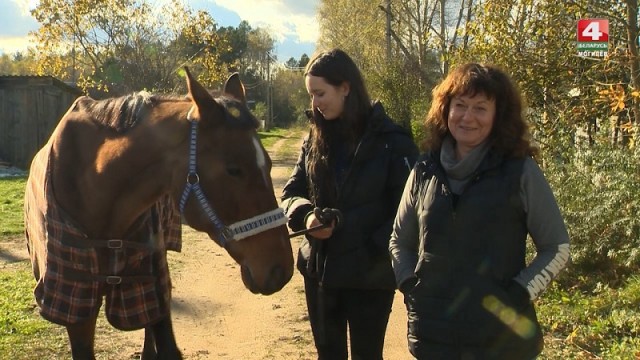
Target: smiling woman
(458,245)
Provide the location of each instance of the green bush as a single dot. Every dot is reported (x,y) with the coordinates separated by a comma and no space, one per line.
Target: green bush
(598,192)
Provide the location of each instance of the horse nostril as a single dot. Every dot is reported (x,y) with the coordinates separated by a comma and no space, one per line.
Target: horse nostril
(277,280)
(248,281)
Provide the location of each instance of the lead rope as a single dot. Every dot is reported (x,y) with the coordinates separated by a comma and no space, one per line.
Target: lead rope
(238,230)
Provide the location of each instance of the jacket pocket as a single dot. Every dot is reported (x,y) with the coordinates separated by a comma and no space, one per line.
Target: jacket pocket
(498,323)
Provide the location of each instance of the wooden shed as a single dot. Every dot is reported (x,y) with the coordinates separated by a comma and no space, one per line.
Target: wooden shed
(30,108)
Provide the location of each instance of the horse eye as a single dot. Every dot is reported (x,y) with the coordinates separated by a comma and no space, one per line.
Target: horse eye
(234,171)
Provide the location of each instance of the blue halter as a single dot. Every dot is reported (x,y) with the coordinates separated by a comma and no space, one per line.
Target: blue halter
(238,230)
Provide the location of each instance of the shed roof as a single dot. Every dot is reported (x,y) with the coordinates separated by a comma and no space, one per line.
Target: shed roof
(37,80)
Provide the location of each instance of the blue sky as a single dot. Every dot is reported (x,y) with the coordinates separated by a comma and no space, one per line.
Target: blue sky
(291,22)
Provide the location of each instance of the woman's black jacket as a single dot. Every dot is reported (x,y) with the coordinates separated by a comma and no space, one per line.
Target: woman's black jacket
(356,255)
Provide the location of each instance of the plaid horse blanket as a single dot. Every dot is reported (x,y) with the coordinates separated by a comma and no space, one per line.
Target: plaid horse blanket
(74,273)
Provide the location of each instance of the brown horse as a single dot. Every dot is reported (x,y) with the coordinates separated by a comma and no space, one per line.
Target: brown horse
(100,209)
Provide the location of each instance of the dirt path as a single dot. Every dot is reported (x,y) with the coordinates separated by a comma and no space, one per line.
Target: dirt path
(215,317)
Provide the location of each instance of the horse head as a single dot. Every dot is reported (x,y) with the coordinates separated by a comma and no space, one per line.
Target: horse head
(235,203)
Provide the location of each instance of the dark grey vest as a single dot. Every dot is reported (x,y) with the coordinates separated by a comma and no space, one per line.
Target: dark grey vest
(484,227)
(474,244)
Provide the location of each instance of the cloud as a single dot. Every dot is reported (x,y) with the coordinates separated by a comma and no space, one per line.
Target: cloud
(294,19)
(25,6)
(11,45)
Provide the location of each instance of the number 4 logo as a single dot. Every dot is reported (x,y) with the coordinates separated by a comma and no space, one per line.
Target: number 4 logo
(593,30)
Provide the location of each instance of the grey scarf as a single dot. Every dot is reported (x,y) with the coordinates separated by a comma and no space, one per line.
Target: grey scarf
(459,172)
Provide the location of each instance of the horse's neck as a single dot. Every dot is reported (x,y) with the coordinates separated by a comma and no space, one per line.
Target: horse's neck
(106,183)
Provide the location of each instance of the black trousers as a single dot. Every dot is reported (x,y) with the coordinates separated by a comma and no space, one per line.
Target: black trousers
(366,312)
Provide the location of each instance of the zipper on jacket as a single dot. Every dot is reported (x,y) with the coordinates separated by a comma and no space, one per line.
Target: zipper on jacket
(449,195)
(474,179)
(346,175)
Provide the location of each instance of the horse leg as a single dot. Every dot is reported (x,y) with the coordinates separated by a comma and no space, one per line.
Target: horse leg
(81,337)
(149,347)
(165,340)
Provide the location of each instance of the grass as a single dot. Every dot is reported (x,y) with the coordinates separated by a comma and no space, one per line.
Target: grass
(290,137)
(269,138)
(11,205)
(586,319)
(23,334)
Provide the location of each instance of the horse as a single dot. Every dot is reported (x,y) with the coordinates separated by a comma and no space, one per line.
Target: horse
(106,196)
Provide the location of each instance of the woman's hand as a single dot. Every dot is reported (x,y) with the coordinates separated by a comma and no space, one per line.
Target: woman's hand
(320,234)
(330,218)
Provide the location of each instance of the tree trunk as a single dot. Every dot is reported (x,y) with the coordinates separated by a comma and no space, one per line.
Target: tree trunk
(634,62)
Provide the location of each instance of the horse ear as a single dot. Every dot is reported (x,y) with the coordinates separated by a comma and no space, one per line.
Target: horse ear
(233,86)
(197,92)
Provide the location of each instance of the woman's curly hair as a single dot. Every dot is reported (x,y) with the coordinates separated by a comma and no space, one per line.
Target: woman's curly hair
(510,133)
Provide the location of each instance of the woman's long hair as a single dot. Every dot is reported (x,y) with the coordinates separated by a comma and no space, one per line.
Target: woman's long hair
(336,68)
(510,133)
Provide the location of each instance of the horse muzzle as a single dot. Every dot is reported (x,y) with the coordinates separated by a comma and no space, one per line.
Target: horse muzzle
(277,278)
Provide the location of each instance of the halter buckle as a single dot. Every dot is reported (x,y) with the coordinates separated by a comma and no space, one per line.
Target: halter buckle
(114,244)
(193,178)
(114,280)
(227,234)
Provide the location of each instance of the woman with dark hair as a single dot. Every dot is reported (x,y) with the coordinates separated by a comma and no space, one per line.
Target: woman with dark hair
(349,177)
(458,245)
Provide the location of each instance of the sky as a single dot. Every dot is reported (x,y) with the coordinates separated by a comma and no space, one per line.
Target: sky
(292,23)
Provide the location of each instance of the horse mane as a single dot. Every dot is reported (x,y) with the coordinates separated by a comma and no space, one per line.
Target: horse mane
(121,113)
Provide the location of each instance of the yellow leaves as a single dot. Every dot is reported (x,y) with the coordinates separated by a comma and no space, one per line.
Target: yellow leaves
(628,126)
(616,97)
(574,334)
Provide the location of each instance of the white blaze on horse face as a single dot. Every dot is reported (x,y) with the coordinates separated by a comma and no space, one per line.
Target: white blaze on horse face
(261,160)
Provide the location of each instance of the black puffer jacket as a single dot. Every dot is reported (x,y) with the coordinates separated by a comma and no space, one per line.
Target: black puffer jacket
(356,255)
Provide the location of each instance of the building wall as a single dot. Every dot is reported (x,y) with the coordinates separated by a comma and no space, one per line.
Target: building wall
(30,108)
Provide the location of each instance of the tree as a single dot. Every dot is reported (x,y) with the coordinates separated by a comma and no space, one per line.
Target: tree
(291,63)
(290,97)
(304,60)
(16,64)
(99,43)
(200,33)
(427,30)
(238,40)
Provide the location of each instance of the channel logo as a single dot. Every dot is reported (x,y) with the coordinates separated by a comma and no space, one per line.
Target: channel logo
(593,37)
